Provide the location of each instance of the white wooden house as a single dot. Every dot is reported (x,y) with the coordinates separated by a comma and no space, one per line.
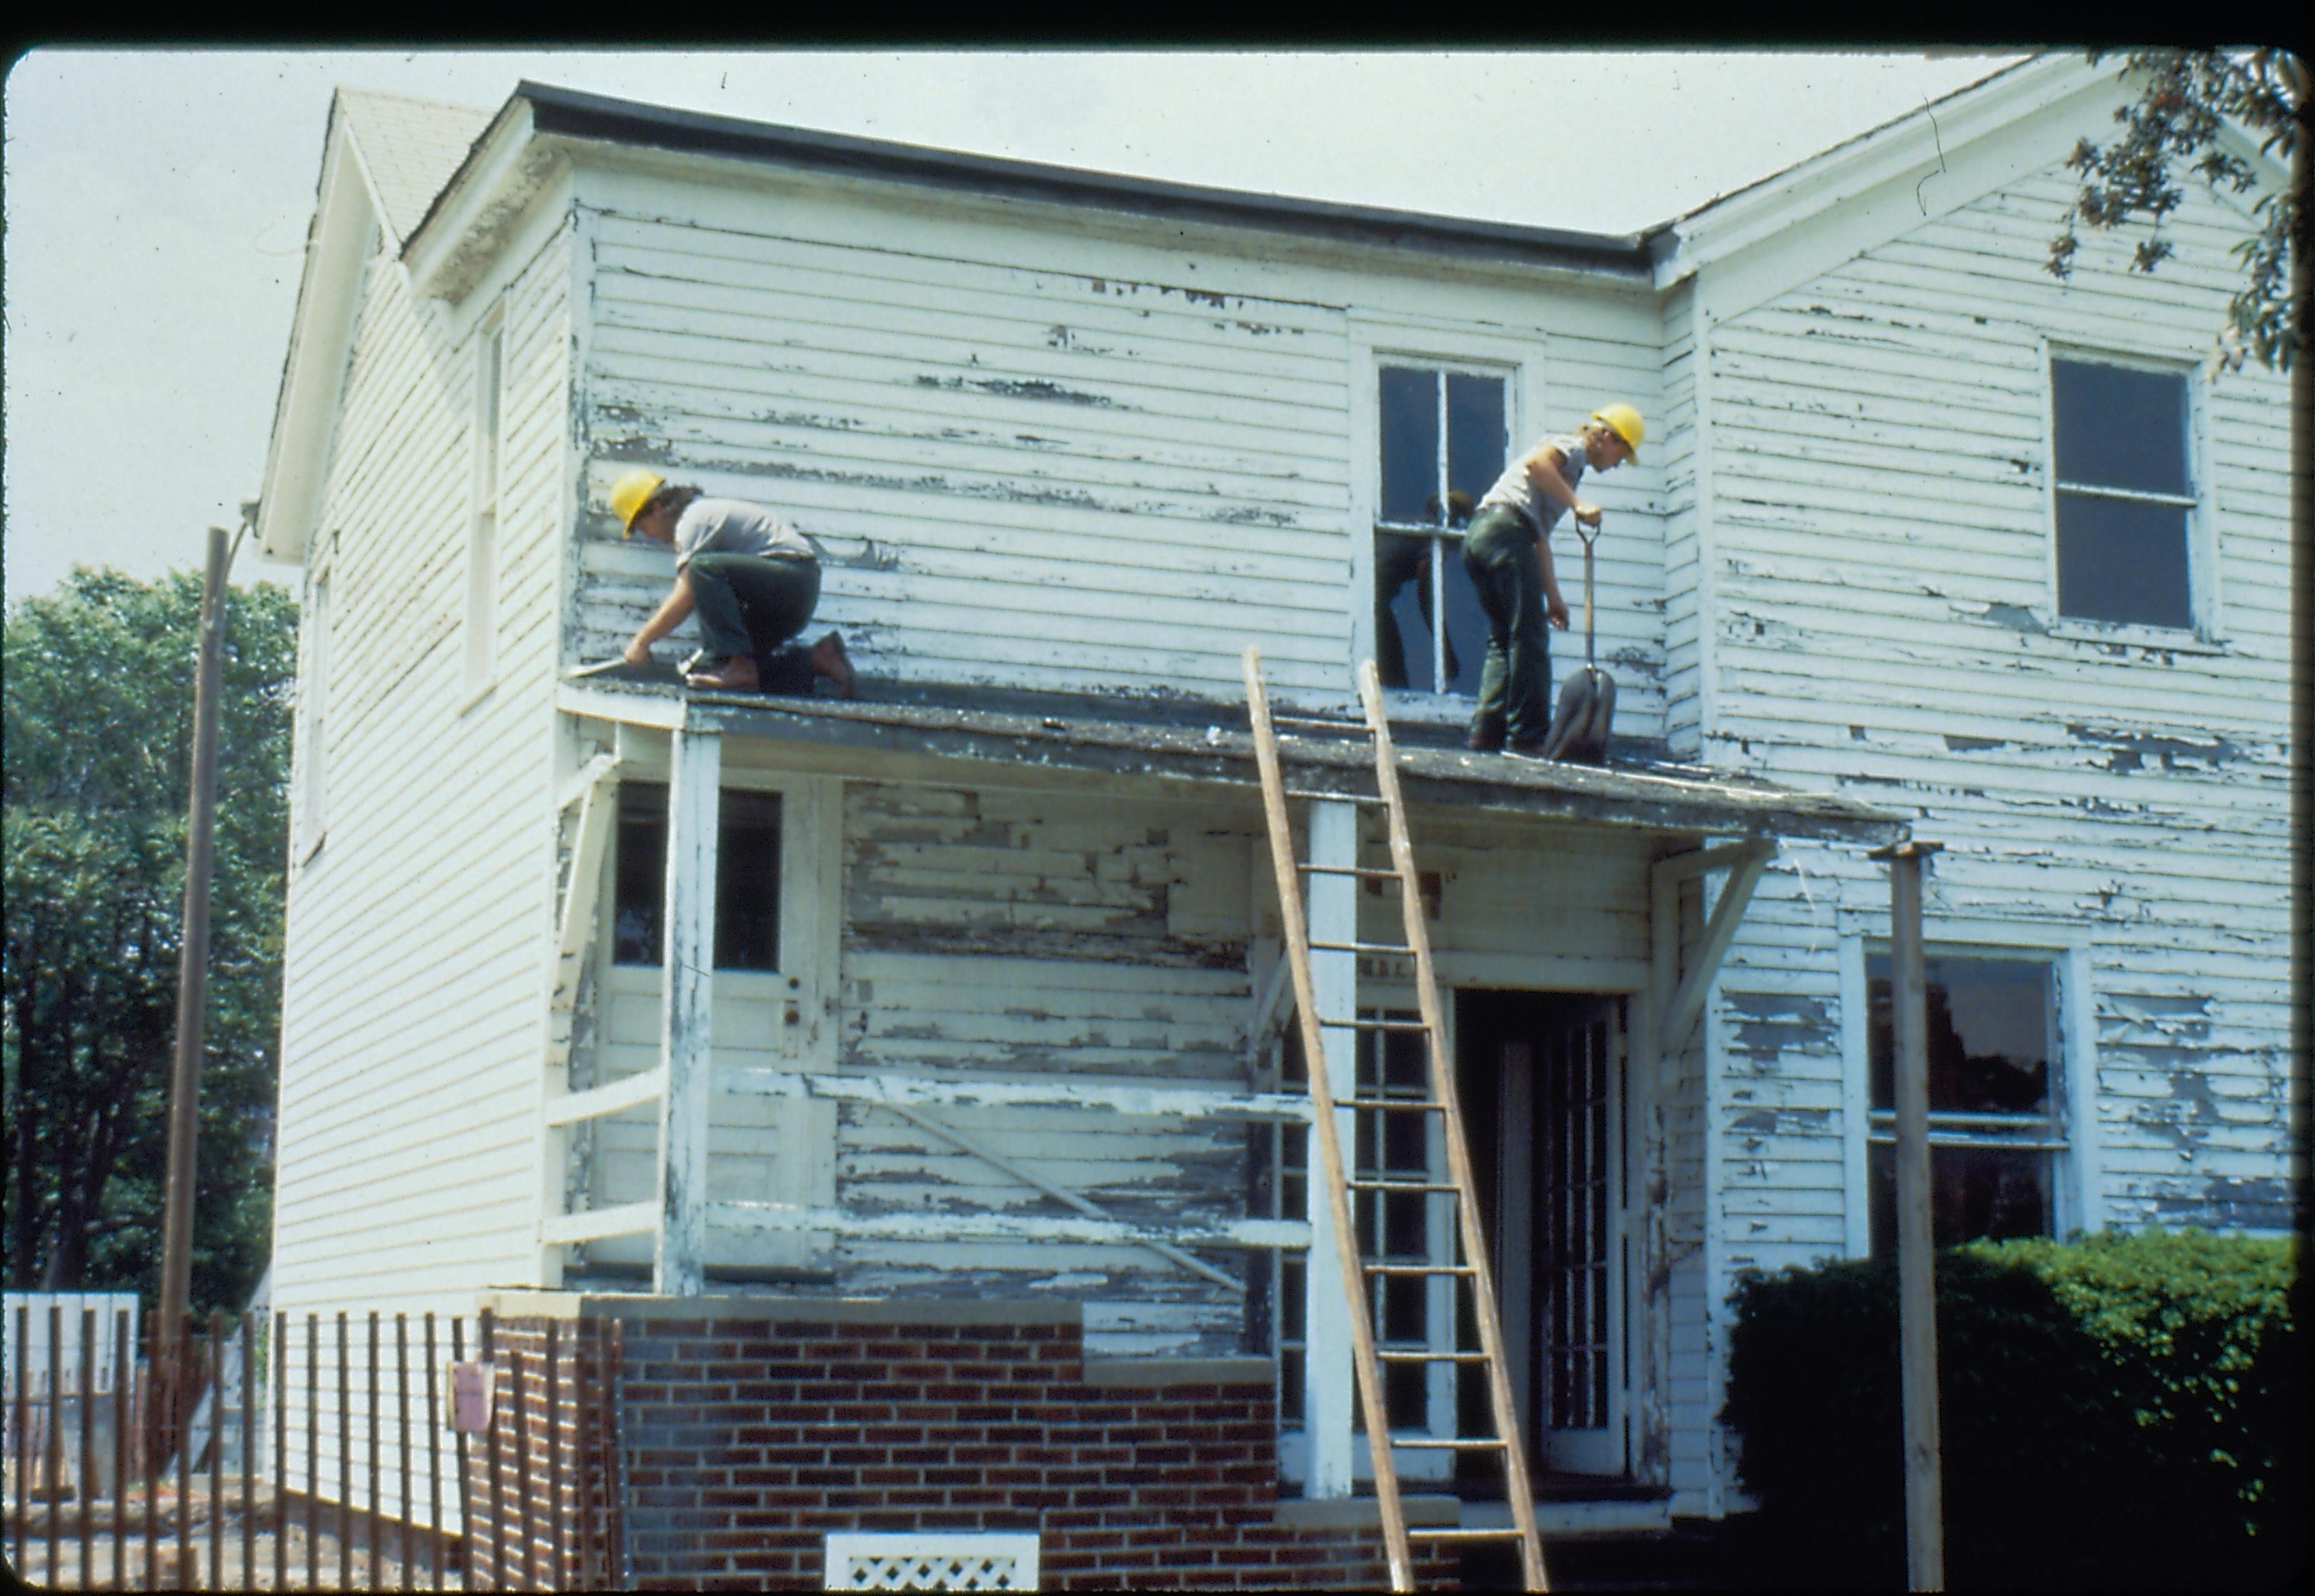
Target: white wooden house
(994,1008)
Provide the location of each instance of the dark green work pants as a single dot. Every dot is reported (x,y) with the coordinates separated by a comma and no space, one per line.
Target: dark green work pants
(1500,552)
(753,604)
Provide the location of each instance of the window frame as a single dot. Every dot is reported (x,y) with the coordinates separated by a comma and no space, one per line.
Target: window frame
(484,530)
(2202,609)
(1377,339)
(2075,1200)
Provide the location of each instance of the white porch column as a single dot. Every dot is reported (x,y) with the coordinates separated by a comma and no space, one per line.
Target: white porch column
(686,1003)
(1326,1373)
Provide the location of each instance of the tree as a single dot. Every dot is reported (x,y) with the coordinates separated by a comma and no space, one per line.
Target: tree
(99,714)
(2186,99)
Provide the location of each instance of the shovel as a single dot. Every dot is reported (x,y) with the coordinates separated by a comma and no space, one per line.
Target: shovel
(1587,704)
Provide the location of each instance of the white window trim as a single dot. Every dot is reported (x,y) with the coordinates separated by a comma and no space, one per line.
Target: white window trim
(311,792)
(2076,1200)
(2201,634)
(485,531)
(1376,342)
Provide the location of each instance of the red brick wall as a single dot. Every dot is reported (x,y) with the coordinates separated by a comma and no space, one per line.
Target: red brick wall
(746,1441)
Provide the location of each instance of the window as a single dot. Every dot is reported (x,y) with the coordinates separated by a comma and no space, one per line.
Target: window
(1996,1128)
(747,879)
(2126,496)
(1442,437)
(314,700)
(482,533)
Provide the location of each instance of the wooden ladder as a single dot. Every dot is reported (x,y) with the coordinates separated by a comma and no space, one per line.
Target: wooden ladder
(1440,1099)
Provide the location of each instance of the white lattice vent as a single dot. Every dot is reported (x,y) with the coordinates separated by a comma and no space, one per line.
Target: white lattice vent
(860,1561)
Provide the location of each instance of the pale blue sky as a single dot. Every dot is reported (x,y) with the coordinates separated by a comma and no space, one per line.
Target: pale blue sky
(157,201)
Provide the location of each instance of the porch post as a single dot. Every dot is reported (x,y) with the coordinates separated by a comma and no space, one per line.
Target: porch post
(1917,1323)
(1326,1374)
(686,1005)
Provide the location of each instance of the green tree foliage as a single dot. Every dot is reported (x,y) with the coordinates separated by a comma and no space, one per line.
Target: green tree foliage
(2126,1411)
(99,705)
(2186,99)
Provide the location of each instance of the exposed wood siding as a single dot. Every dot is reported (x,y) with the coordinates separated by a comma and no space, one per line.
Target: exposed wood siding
(1138,476)
(1886,626)
(1676,461)
(418,931)
(1003,934)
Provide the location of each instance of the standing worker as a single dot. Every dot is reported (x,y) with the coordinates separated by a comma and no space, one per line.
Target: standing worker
(751,575)
(1508,552)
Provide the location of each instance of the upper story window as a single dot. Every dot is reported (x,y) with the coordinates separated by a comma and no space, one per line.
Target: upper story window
(1443,436)
(483,528)
(747,878)
(1996,1128)
(2126,493)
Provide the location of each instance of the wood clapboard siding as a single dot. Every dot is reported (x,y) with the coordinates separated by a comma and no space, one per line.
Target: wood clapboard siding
(1005,936)
(1676,460)
(412,990)
(1031,478)
(1886,626)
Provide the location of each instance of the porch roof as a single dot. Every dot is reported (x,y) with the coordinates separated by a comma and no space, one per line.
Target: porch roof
(1169,736)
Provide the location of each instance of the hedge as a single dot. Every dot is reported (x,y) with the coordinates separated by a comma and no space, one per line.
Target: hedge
(2124,1411)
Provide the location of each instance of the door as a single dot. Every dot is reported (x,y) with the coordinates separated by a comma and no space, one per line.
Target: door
(1543,1082)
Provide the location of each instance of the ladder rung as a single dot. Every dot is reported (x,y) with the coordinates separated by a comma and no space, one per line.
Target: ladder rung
(1466,1443)
(1359,947)
(1373,1024)
(1408,1103)
(1360,1185)
(1455,1532)
(1333,797)
(1429,1357)
(1419,1269)
(1348,870)
(1331,725)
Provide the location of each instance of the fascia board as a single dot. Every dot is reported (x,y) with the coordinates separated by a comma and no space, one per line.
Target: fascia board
(1825,181)
(320,330)
(453,244)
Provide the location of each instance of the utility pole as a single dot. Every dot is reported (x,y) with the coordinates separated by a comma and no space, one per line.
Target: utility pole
(192,980)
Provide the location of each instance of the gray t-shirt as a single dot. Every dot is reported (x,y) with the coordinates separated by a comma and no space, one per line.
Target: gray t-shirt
(1514,489)
(734,526)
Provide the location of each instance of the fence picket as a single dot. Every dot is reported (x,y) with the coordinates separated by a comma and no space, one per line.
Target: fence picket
(248,1449)
(180,1360)
(345,1459)
(376,1572)
(466,1573)
(84,1491)
(434,1459)
(402,1427)
(124,1374)
(216,1362)
(280,1360)
(53,1452)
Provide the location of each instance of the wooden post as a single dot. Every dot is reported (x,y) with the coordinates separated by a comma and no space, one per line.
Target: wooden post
(1326,1373)
(686,1006)
(1917,1321)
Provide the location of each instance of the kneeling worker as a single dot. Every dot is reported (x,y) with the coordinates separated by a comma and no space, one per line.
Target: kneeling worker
(1508,553)
(753,578)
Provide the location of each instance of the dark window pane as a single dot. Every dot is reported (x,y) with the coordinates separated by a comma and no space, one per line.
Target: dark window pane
(1477,440)
(747,882)
(1402,605)
(747,886)
(1409,422)
(1466,626)
(2119,427)
(1992,1193)
(1991,1034)
(640,874)
(2119,560)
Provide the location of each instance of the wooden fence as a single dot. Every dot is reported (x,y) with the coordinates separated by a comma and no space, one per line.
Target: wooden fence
(275,1454)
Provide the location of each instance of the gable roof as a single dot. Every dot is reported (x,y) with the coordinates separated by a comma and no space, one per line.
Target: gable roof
(410,148)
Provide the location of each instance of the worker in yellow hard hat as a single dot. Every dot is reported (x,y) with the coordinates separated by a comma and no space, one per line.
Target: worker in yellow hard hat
(753,578)
(1508,553)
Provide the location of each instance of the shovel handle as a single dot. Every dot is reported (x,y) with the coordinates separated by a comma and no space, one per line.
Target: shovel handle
(1589,538)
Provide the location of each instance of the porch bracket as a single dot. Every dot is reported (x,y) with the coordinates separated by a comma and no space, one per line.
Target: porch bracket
(1743,860)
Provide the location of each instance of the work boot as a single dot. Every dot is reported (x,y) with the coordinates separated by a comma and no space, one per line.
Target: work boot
(737,674)
(829,660)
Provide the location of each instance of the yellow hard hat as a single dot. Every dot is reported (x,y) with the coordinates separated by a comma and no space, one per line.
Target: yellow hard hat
(1625,422)
(631,493)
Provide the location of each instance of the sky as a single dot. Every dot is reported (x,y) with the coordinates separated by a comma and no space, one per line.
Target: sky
(156,201)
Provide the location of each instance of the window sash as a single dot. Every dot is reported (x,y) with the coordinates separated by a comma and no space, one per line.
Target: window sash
(1441,478)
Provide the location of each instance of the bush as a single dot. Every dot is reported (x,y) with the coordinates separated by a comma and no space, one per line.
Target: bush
(2122,1411)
